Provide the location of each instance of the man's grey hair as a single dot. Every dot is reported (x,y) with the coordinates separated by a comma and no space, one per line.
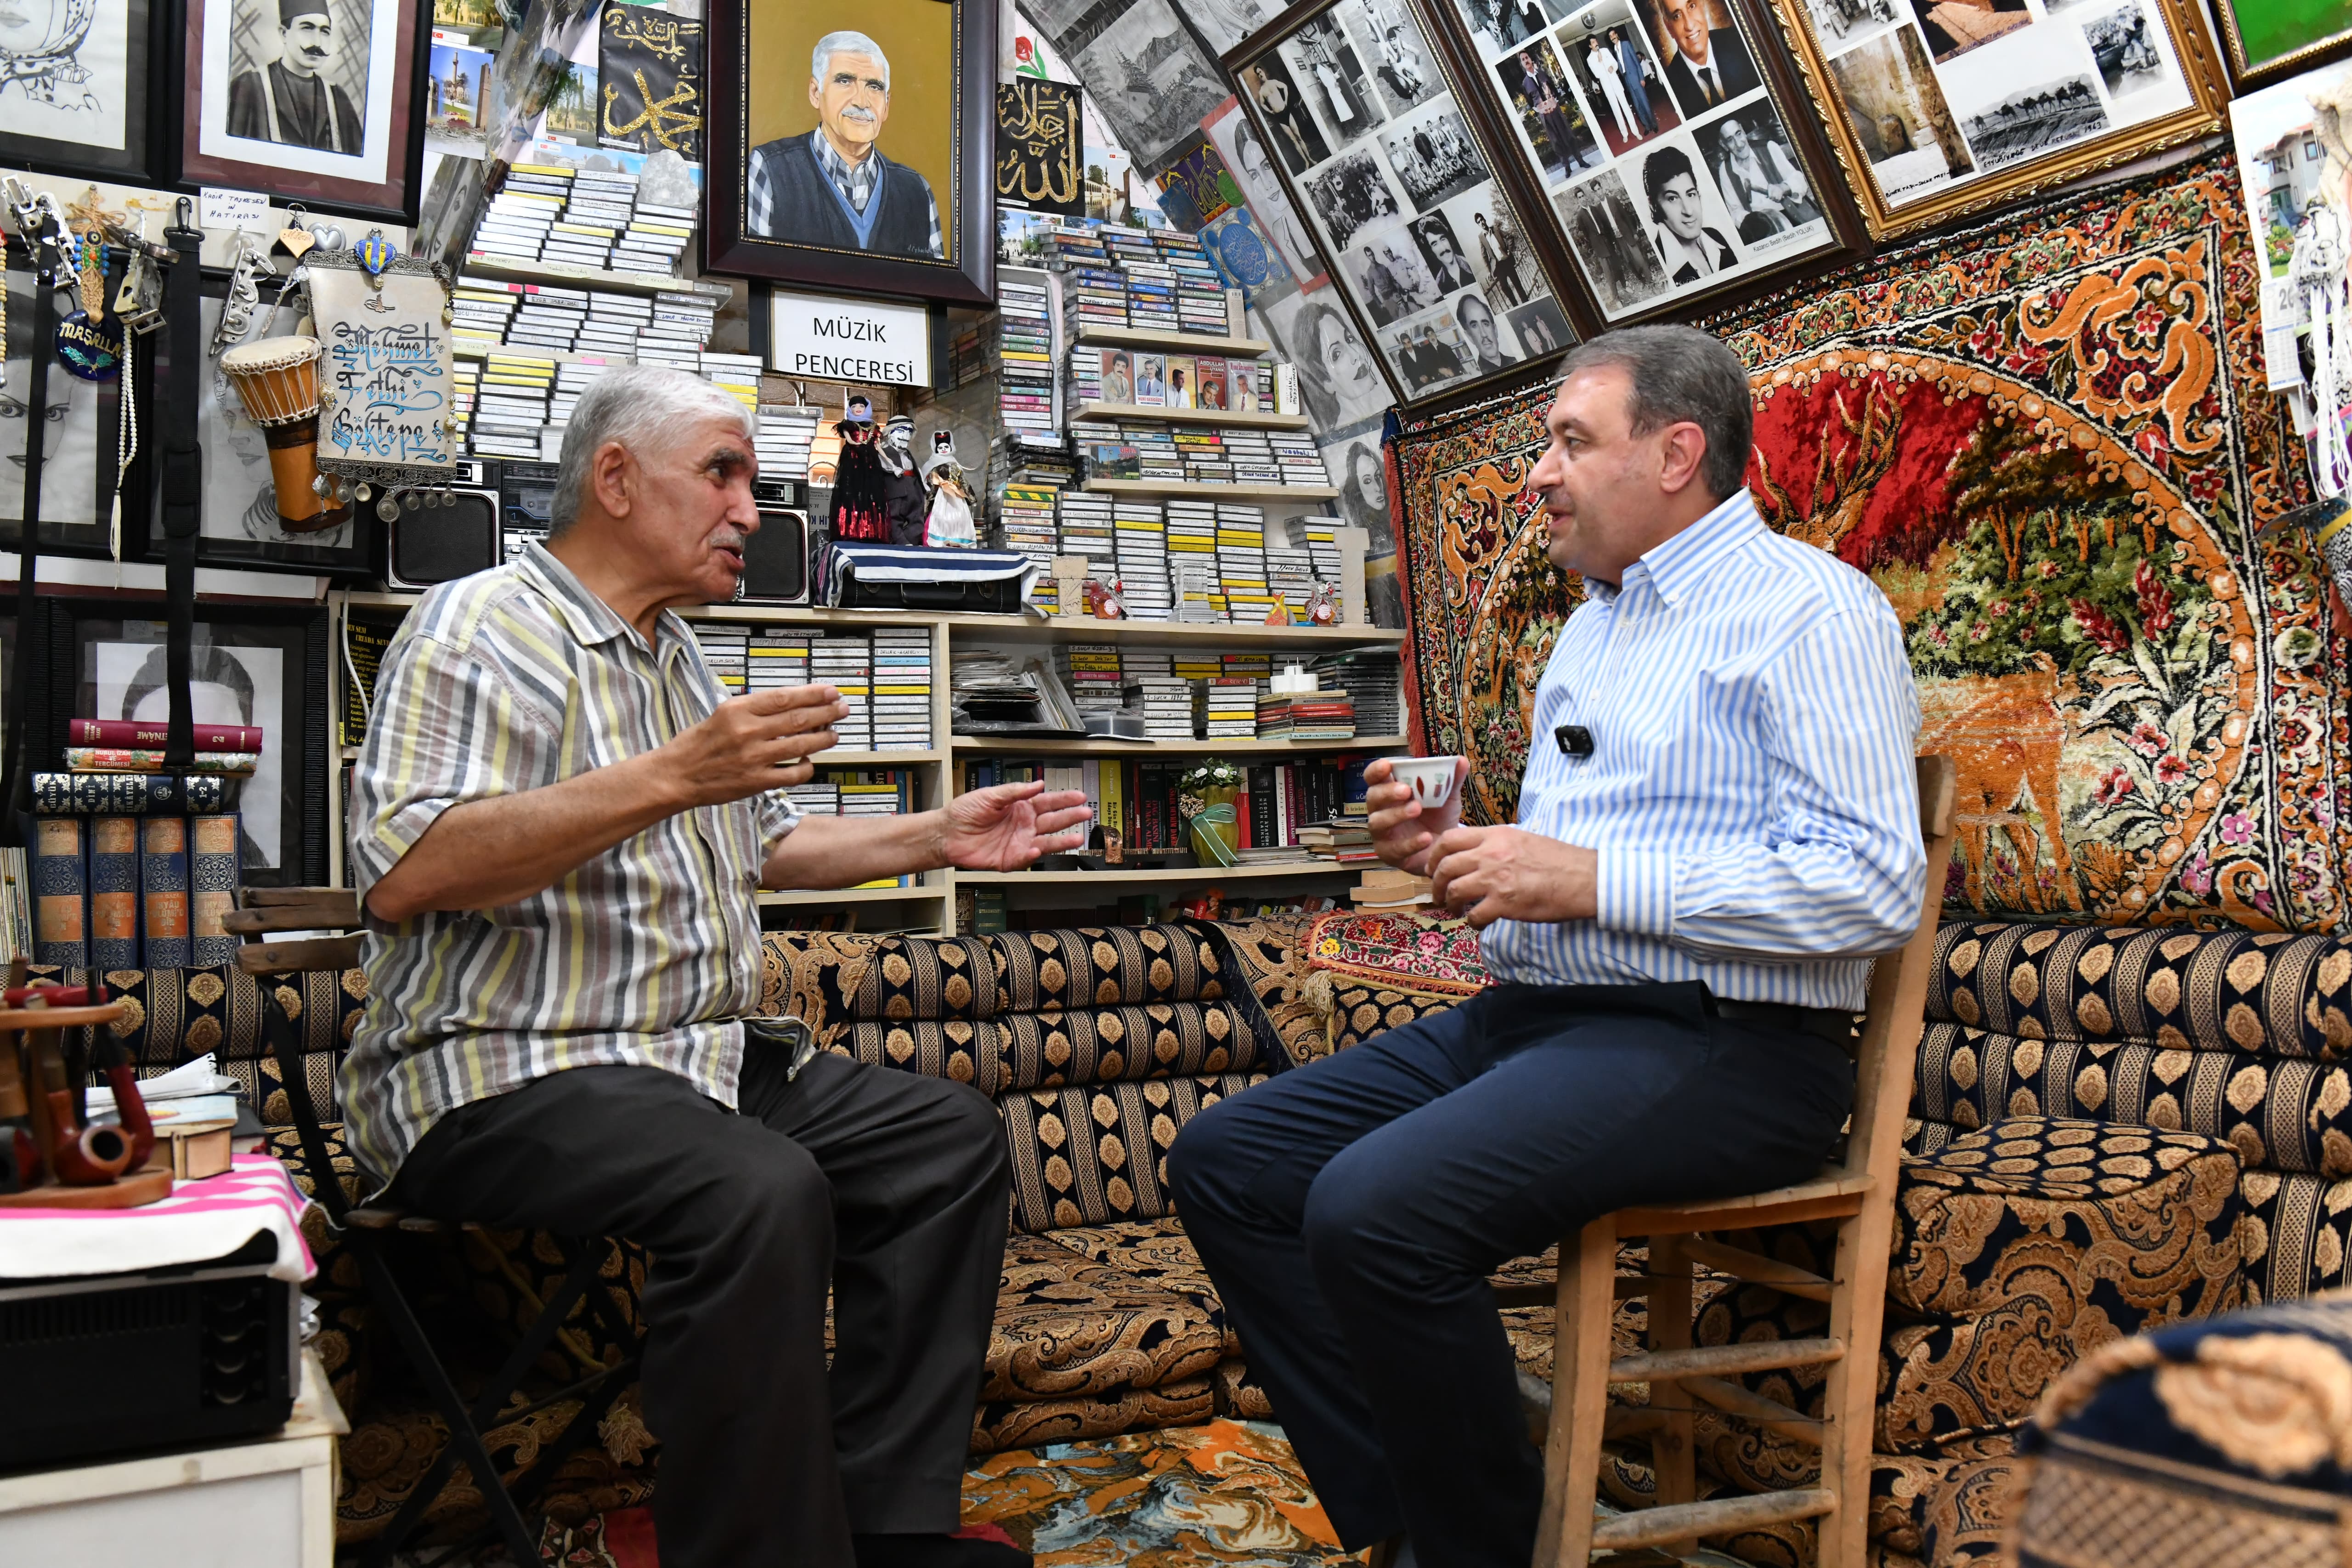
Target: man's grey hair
(848,43)
(648,409)
(1681,374)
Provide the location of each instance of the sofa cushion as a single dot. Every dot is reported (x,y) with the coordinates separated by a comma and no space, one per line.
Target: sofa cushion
(1409,951)
(2264,992)
(1105,1045)
(1155,1251)
(1269,963)
(1106,966)
(1067,1326)
(2297,1235)
(1000,1424)
(1093,1155)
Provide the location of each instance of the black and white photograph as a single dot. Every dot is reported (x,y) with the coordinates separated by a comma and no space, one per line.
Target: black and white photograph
(81,89)
(1687,222)
(1428,354)
(2033,119)
(1953,28)
(2123,43)
(1276,92)
(1611,242)
(1149,80)
(1244,152)
(1336,372)
(1350,193)
(1225,23)
(1441,252)
(1618,74)
(1434,157)
(1391,42)
(1353,457)
(249,666)
(1338,87)
(1906,130)
(1390,279)
(1498,25)
(1541,327)
(1838,23)
(315,100)
(1763,186)
(1485,350)
(1548,116)
(1490,237)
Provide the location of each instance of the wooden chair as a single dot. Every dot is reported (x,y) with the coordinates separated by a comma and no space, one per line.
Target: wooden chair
(368,1230)
(1857,1191)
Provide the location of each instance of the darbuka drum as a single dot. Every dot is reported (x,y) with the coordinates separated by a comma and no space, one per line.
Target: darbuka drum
(276,379)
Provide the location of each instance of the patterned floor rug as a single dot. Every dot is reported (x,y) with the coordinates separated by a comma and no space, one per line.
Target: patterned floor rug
(2047,439)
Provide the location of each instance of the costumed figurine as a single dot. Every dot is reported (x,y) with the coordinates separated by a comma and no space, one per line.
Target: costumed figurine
(860,499)
(906,499)
(1323,606)
(947,523)
(1103,602)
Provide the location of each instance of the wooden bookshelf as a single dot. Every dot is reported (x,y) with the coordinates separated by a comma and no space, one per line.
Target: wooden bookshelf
(1249,419)
(819,897)
(1201,490)
(1104,746)
(485,268)
(1171,343)
(1112,878)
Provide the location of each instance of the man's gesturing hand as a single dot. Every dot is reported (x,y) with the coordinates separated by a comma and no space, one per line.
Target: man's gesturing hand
(1006,826)
(760,741)
(1402,828)
(1490,874)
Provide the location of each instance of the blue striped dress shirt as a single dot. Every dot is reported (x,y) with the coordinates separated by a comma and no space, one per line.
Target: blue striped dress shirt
(1750,792)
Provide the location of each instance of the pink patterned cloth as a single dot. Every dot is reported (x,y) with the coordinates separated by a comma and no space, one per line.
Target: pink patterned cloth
(200,1221)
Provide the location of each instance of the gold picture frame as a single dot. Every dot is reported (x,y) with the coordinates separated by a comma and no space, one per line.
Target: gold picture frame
(1937,109)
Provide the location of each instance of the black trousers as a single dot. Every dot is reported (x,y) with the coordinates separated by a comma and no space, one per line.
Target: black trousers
(891,1187)
(1350,1211)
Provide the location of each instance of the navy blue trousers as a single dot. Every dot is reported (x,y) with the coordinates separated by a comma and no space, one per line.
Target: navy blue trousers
(1349,1212)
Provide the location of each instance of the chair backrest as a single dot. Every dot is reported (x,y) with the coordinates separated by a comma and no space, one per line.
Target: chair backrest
(270,909)
(1888,1049)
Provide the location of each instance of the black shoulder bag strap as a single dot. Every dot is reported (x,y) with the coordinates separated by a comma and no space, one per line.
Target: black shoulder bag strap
(19,785)
(182,475)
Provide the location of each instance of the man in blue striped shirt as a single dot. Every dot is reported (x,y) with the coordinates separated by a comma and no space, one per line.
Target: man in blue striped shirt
(1718,826)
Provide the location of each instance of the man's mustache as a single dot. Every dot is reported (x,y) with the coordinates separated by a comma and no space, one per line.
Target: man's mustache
(312,52)
(857,111)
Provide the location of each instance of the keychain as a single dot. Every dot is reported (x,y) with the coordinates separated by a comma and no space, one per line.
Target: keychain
(89,345)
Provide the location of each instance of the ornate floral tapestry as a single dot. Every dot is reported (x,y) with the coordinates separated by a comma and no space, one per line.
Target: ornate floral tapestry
(2048,440)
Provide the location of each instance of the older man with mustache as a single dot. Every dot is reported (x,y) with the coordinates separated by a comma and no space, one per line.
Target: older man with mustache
(560,823)
(833,187)
(287,100)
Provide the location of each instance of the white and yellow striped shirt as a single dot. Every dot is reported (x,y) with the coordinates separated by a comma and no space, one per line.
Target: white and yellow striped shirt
(647,955)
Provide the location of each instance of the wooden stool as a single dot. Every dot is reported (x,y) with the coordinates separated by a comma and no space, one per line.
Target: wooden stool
(1858,1191)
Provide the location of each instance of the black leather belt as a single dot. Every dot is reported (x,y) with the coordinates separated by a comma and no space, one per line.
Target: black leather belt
(1834,1025)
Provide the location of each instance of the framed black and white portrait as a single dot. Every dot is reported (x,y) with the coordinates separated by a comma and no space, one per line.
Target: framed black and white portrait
(81,85)
(320,101)
(1437,289)
(862,159)
(249,664)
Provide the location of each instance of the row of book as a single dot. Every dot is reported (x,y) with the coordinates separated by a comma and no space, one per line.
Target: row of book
(884,675)
(1024,354)
(859,791)
(133,892)
(667,328)
(592,218)
(1190,455)
(1211,560)
(1122,377)
(1136,798)
(515,405)
(1140,280)
(1305,716)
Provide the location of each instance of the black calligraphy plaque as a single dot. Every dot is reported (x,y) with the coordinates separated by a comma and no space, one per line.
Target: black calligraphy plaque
(1038,137)
(649,75)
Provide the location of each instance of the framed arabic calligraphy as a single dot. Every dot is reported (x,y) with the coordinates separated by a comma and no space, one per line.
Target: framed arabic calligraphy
(1038,147)
(81,86)
(649,76)
(863,164)
(320,101)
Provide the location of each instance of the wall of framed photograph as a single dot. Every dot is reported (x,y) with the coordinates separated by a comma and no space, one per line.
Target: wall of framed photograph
(2263,42)
(1426,246)
(1661,137)
(88,86)
(320,101)
(1941,108)
(249,664)
(896,103)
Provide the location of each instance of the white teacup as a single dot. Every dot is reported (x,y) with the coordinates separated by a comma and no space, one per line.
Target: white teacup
(1431,779)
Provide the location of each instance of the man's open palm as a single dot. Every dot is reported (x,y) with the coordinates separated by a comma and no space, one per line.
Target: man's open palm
(1006,826)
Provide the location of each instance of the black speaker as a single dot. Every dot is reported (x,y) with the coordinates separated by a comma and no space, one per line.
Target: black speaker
(775,559)
(439,544)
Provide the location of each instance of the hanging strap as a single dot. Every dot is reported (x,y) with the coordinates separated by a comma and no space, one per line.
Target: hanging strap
(19,785)
(182,475)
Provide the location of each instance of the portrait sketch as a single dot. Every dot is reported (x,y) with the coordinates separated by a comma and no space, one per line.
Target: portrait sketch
(226,685)
(73,83)
(311,87)
(1148,78)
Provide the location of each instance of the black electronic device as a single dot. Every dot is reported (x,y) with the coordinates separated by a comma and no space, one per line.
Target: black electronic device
(439,544)
(111,1364)
(1575,741)
(776,560)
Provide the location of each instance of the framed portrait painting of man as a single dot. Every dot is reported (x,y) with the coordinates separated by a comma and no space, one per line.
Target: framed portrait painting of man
(82,85)
(1942,108)
(863,162)
(320,101)
(1427,248)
